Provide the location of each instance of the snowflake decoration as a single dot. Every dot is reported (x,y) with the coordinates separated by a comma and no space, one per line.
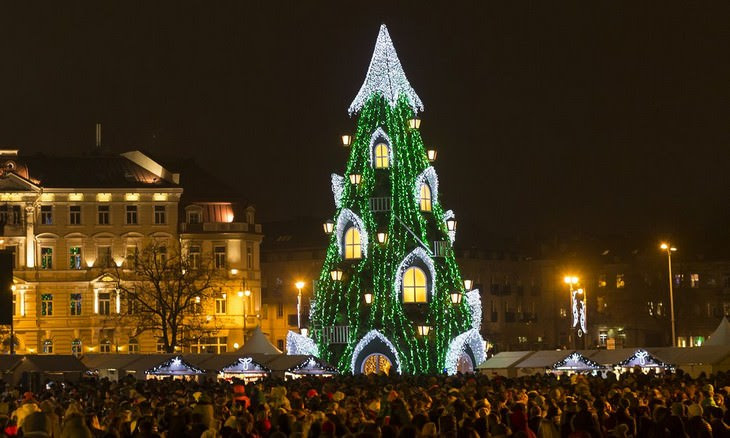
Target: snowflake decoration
(345,218)
(386,77)
(418,253)
(367,339)
(458,345)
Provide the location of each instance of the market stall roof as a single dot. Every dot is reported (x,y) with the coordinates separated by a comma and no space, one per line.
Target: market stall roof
(52,363)
(504,359)
(174,366)
(8,362)
(705,355)
(244,365)
(721,335)
(630,357)
(109,361)
(300,364)
(257,344)
(548,358)
(576,361)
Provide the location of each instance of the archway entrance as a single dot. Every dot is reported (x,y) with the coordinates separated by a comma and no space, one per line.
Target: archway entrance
(376,363)
(464,364)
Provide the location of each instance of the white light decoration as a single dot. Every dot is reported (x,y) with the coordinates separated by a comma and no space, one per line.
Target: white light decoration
(474,300)
(457,347)
(338,185)
(427,176)
(641,355)
(385,76)
(579,310)
(367,339)
(300,344)
(175,366)
(418,253)
(345,218)
(379,136)
(449,214)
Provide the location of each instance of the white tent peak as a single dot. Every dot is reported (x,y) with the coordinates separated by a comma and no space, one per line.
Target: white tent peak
(385,76)
(721,335)
(258,344)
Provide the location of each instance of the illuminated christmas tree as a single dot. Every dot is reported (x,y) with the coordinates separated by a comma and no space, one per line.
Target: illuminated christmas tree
(390,294)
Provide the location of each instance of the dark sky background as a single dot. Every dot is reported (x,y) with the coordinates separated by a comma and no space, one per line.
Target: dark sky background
(605,118)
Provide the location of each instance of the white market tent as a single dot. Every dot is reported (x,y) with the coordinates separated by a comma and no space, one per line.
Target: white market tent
(576,362)
(543,360)
(299,365)
(721,335)
(629,358)
(258,344)
(245,368)
(502,364)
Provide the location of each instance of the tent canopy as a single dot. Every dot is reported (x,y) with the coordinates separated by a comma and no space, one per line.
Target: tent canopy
(175,366)
(721,335)
(576,361)
(504,359)
(257,344)
(244,365)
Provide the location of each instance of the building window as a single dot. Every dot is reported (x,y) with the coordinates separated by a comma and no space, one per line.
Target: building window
(104,256)
(194,217)
(133,346)
(162,255)
(131,215)
(659,308)
(213,344)
(130,256)
(620,283)
(220,306)
(48,346)
(74,215)
(105,303)
(46,257)
(194,255)
(694,280)
(160,215)
(13,249)
(678,279)
(650,308)
(46,215)
(353,250)
(414,285)
(602,337)
(76,347)
(103,214)
(280,344)
(15,302)
(220,257)
(425,200)
(602,280)
(279,310)
(105,346)
(563,312)
(75,304)
(74,257)
(249,256)
(522,339)
(382,159)
(47,305)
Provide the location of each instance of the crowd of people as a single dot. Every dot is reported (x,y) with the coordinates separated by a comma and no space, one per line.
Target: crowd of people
(545,406)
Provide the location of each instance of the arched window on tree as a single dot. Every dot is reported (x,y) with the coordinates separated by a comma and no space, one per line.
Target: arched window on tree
(353,248)
(425,197)
(414,285)
(382,157)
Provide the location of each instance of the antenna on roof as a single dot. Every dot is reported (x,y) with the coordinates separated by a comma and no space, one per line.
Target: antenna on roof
(98,136)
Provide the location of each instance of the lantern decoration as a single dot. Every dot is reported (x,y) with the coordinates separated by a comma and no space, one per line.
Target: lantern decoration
(346,140)
(468,284)
(414,123)
(382,237)
(451,224)
(368,298)
(355,178)
(456,297)
(336,274)
(431,153)
(423,330)
(329,226)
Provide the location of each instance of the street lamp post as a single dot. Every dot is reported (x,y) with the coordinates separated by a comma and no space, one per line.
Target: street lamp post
(299,285)
(244,295)
(669,249)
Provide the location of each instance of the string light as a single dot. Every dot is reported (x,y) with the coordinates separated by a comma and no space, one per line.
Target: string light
(427,176)
(385,77)
(578,361)
(643,359)
(174,366)
(299,344)
(312,365)
(367,339)
(338,186)
(474,300)
(245,365)
(470,338)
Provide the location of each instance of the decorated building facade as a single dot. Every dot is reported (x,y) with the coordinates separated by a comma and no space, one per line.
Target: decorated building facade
(74,225)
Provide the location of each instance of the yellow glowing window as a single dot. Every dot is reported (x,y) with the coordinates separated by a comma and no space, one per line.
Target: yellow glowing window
(382,160)
(353,250)
(425,197)
(414,286)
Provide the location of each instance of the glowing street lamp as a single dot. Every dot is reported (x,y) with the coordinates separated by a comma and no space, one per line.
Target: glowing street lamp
(468,284)
(299,285)
(456,297)
(669,249)
(414,123)
(423,330)
(346,140)
(451,224)
(382,237)
(336,274)
(329,226)
(432,153)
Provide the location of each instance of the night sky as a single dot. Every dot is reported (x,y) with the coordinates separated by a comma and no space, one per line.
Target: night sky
(605,118)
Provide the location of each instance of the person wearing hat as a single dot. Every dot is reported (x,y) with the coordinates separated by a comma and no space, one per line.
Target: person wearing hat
(27,407)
